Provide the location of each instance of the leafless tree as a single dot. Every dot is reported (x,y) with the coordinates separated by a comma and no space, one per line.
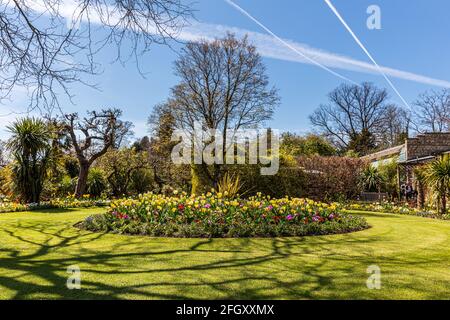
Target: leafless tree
(102,130)
(47,45)
(433,111)
(353,111)
(397,126)
(223,86)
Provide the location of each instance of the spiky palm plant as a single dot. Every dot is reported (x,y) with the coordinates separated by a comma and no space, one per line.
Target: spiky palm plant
(372,179)
(30,145)
(437,177)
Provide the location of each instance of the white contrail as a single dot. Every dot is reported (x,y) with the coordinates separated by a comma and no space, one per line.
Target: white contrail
(271,46)
(244,12)
(328,2)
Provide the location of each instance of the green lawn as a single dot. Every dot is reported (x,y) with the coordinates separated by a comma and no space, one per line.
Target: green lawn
(37,247)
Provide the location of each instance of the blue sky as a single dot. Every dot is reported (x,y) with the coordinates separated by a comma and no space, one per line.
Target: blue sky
(413,43)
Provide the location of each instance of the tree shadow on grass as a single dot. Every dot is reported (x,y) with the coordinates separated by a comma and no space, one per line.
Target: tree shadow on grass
(227,271)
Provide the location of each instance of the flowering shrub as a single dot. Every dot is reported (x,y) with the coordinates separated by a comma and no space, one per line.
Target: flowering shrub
(215,215)
(392,207)
(63,203)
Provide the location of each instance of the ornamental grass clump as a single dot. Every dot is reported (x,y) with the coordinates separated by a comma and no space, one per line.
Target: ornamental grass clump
(215,215)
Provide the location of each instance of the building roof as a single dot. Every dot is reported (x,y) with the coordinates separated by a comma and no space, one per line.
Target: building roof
(384,153)
(420,148)
(418,160)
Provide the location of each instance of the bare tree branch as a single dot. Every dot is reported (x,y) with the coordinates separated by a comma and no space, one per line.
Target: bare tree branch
(433,111)
(102,130)
(353,110)
(47,45)
(224,86)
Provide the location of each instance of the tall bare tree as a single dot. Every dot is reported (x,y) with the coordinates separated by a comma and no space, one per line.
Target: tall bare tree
(223,85)
(433,111)
(354,117)
(47,45)
(397,126)
(101,130)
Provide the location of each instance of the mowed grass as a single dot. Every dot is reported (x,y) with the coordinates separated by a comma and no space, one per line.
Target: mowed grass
(37,247)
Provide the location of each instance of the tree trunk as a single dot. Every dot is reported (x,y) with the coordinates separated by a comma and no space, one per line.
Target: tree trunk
(82,179)
(201,182)
(443,204)
(157,178)
(420,195)
(217,175)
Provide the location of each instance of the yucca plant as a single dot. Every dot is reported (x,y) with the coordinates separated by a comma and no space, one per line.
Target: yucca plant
(30,145)
(229,185)
(437,177)
(372,179)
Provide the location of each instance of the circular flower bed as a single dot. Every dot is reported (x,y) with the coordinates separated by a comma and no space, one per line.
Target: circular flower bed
(214,215)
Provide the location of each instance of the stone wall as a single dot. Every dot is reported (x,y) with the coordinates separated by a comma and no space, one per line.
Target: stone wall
(427,144)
